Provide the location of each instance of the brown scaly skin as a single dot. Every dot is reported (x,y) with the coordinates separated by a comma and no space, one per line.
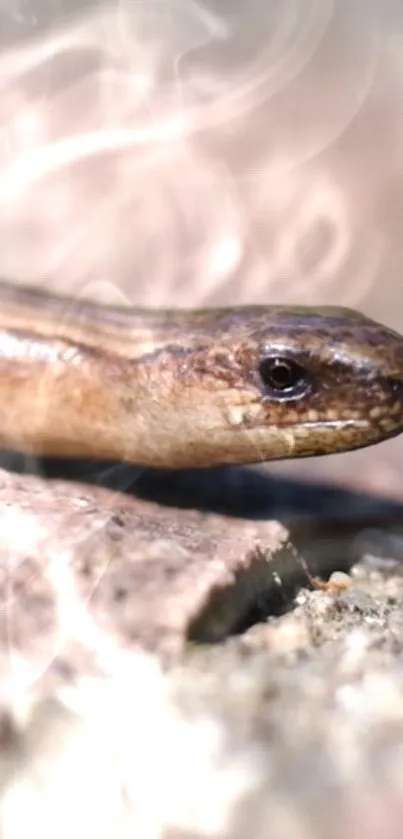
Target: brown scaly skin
(188,389)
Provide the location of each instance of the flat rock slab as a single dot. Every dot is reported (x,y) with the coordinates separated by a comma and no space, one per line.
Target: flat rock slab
(80,563)
(77,562)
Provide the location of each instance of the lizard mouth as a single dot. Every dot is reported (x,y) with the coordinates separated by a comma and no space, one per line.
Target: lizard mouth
(333,423)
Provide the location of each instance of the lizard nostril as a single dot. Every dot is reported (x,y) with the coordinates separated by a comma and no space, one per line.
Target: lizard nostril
(395,385)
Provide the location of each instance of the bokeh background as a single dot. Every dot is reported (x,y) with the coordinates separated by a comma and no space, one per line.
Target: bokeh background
(174,152)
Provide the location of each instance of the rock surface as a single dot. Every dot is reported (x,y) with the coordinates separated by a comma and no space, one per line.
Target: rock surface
(167,672)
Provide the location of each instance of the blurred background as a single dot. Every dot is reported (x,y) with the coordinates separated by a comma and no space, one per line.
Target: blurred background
(174,152)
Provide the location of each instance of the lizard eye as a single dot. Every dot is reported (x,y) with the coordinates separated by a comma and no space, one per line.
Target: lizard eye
(283,377)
